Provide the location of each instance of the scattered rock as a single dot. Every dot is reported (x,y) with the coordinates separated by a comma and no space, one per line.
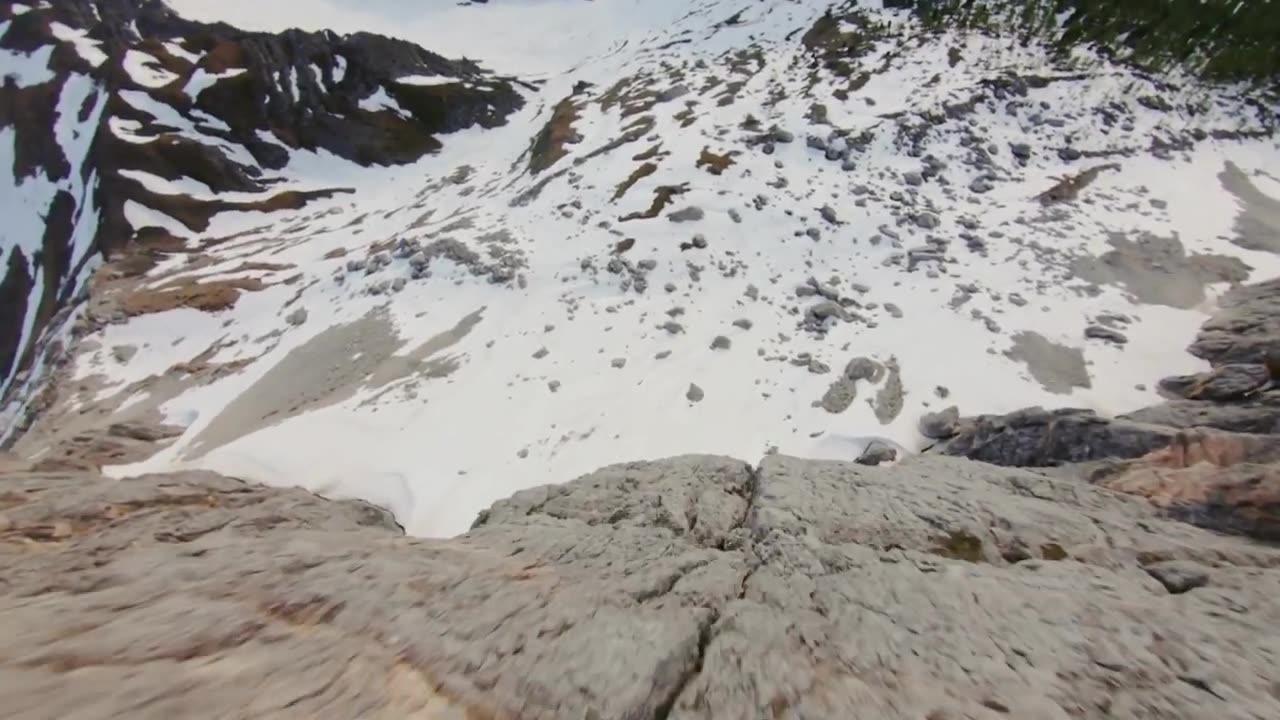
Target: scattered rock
(123,353)
(619,363)
(941,425)
(864,368)
(877,452)
(743,323)
(829,214)
(1100,332)
(840,396)
(297,317)
(890,398)
(541,353)
(692,213)
(721,343)
(695,393)
(981,185)
(554,385)
(928,221)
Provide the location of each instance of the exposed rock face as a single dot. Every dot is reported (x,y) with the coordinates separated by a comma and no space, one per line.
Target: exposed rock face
(690,587)
(1035,437)
(1208,459)
(1246,330)
(267,94)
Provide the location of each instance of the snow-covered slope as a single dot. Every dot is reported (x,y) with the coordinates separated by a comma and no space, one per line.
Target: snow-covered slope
(704,215)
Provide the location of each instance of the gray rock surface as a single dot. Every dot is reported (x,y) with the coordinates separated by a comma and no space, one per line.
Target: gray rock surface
(877,452)
(1179,577)
(839,396)
(694,587)
(1259,415)
(1246,329)
(942,424)
(687,214)
(1035,437)
(1101,332)
(694,393)
(1233,381)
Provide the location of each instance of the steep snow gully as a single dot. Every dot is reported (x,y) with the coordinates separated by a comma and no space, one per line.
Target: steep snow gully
(603,231)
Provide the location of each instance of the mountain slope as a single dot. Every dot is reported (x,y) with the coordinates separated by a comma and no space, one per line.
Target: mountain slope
(720,228)
(117,108)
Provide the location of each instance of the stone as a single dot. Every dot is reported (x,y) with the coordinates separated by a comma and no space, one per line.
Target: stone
(1258,414)
(671,588)
(893,310)
(692,213)
(123,353)
(913,178)
(734,215)
(940,425)
(981,185)
(1101,332)
(1229,382)
(700,241)
(541,353)
(783,136)
(839,396)
(721,343)
(694,394)
(829,214)
(672,327)
(1179,577)
(829,309)
(663,355)
(1034,437)
(864,368)
(554,386)
(1246,328)
(926,220)
(1020,150)
(618,363)
(743,323)
(876,453)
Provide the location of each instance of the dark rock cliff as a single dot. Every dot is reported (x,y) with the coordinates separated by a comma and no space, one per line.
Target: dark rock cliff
(208,90)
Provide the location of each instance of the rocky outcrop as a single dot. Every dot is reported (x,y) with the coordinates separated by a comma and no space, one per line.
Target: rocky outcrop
(157,94)
(1206,457)
(695,587)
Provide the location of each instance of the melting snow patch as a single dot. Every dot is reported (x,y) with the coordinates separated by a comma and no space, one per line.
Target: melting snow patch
(85,46)
(202,80)
(178,51)
(142,68)
(379,101)
(426,80)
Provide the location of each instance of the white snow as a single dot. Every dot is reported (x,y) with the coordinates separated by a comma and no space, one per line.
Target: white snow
(143,69)
(427,80)
(177,50)
(26,69)
(380,101)
(202,80)
(86,47)
(439,444)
